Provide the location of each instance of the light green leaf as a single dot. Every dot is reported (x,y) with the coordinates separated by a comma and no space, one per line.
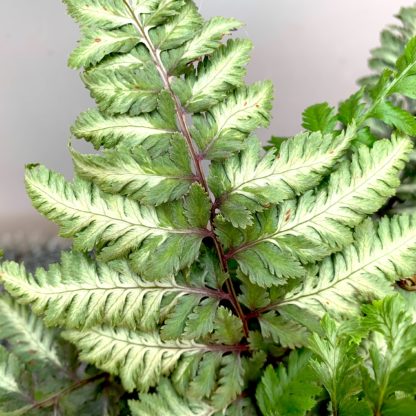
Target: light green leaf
(383,252)
(109,131)
(287,333)
(13,395)
(97,44)
(288,391)
(138,358)
(180,29)
(391,358)
(319,117)
(106,14)
(82,293)
(339,375)
(151,181)
(355,190)
(167,402)
(200,321)
(217,75)
(250,183)
(223,129)
(29,339)
(231,381)
(395,117)
(116,226)
(228,328)
(126,90)
(208,39)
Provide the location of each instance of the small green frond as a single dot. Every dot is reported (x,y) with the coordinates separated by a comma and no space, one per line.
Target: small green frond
(208,39)
(223,129)
(247,182)
(287,333)
(125,90)
(228,328)
(288,391)
(13,396)
(138,175)
(319,117)
(396,117)
(339,375)
(98,44)
(167,402)
(383,252)
(29,339)
(205,379)
(200,322)
(197,206)
(217,75)
(109,131)
(390,353)
(230,383)
(82,293)
(115,226)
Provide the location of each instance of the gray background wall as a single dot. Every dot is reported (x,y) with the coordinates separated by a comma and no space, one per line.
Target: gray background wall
(313,50)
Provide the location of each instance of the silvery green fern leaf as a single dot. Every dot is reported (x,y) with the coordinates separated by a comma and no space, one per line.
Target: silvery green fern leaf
(102,221)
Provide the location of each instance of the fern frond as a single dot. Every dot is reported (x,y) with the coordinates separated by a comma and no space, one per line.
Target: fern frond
(355,190)
(126,90)
(208,39)
(179,30)
(319,117)
(339,376)
(167,402)
(383,252)
(110,132)
(82,293)
(13,394)
(222,72)
(107,14)
(224,128)
(113,225)
(246,183)
(288,334)
(319,222)
(149,180)
(390,355)
(29,339)
(288,391)
(98,44)
(140,359)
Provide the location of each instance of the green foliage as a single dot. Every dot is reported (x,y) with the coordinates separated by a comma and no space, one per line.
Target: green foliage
(288,391)
(197,259)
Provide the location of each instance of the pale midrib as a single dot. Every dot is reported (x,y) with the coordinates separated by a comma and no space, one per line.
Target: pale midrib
(130,127)
(301,166)
(352,273)
(175,289)
(130,224)
(195,348)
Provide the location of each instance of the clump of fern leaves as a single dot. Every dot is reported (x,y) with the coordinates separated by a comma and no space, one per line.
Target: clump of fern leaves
(198,261)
